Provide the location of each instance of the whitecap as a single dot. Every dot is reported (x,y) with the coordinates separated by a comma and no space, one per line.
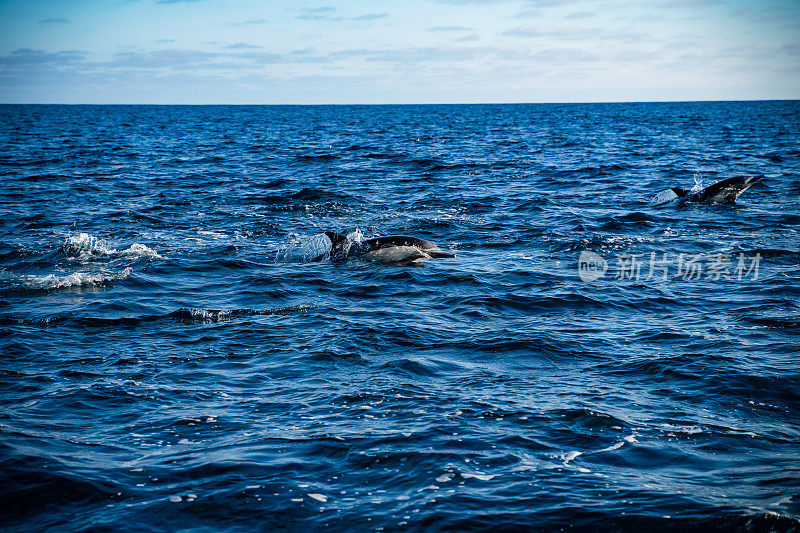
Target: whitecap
(482,477)
(84,246)
(140,250)
(77,279)
(444,478)
(570,456)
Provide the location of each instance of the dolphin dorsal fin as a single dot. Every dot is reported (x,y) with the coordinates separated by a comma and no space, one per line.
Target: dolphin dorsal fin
(336,238)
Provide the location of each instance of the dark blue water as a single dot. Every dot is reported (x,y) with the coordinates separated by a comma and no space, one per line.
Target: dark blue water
(172,359)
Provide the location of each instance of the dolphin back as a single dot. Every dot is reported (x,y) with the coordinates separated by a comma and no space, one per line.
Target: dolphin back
(727,190)
(430,249)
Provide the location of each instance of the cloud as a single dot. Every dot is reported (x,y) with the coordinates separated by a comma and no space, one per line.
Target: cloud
(553,3)
(260,58)
(450,28)
(576,34)
(422,54)
(467,38)
(689,3)
(581,15)
(316,13)
(55,21)
(530,13)
(249,22)
(177,1)
(303,51)
(241,46)
(171,58)
(792,49)
(549,56)
(464,2)
(371,16)
(26,57)
(553,32)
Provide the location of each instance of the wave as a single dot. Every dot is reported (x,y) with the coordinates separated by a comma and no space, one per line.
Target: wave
(84,247)
(205,316)
(76,279)
(317,157)
(183,315)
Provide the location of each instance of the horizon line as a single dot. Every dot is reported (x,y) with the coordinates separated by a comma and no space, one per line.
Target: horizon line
(574,102)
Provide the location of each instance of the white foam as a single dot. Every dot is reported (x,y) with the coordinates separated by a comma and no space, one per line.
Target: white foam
(203,315)
(85,247)
(664,197)
(140,250)
(698,183)
(77,279)
(570,456)
(612,447)
(482,477)
(319,497)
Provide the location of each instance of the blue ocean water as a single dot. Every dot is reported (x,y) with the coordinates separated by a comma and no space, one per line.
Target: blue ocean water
(171,357)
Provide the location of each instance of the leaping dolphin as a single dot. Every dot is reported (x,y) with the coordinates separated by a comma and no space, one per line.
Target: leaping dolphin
(723,192)
(392,249)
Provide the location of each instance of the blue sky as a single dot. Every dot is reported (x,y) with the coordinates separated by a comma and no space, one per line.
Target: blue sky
(414,51)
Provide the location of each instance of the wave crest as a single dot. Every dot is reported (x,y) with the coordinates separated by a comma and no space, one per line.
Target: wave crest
(77,279)
(84,247)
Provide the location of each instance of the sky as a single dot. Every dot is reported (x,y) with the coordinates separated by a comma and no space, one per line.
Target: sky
(410,51)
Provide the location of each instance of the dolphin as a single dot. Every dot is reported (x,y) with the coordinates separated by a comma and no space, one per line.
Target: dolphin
(397,249)
(723,192)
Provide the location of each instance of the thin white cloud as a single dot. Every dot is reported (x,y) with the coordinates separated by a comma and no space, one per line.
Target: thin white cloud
(371,16)
(581,15)
(249,22)
(169,58)
(450,28)
(242,46)
(554,32)
(27,57)
(316,13)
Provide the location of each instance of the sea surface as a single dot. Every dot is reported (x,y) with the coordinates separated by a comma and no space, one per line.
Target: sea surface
(178,353)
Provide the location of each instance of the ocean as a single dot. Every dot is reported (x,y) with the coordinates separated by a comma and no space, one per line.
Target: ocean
(180,353)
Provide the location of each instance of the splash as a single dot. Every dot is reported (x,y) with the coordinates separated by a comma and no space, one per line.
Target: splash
(77,279)
(85,247)
(208,316)
(306,249)
(139,250)
(698,183)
